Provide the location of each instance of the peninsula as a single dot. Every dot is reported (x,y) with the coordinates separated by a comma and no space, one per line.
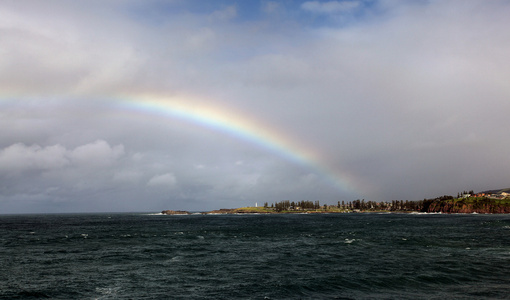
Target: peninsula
(488,202)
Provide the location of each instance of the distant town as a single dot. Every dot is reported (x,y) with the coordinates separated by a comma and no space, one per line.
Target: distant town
(493,201)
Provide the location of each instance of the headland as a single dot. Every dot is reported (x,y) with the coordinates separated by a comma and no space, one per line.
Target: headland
(488,202)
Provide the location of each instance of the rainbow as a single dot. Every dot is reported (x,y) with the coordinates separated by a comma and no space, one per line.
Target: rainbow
(238,126)
(227,121)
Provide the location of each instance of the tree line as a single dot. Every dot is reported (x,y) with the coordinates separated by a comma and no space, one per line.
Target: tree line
(361,205)
(291,205)
(424,205)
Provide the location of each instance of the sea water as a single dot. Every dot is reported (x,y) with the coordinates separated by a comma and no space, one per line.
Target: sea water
(315,256)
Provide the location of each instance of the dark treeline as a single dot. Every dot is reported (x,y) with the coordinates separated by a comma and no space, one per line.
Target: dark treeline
(361,205)
(288,205)
(465,202)
(394,205)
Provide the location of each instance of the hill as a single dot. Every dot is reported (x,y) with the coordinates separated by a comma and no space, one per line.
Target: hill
(500,191)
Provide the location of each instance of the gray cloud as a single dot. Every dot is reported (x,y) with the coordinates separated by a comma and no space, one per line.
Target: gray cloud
(19,157)
(167,180)
(405,99)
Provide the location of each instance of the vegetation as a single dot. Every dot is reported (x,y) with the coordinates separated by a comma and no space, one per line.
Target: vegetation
(471,205)
(465,202)
(495,201)
(252,210)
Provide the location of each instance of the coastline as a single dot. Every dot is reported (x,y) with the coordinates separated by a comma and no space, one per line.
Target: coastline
(440,205)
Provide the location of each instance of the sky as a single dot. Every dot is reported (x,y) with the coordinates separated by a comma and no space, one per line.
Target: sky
(127,106)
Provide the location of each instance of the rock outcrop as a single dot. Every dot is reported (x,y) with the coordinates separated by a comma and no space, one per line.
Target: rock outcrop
(175,212)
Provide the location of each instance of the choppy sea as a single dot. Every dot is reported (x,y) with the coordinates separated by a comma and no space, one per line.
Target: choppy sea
(329,256)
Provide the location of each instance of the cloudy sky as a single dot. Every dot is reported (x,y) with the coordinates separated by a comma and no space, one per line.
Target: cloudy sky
(130,105)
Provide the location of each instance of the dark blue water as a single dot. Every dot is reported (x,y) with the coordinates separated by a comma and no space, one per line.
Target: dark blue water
(335,256)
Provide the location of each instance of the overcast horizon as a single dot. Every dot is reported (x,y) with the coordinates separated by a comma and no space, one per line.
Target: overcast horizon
(124,105)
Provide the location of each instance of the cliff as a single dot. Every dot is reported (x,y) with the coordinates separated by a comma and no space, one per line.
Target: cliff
(477,205)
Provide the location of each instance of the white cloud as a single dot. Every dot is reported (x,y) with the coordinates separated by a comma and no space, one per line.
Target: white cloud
(58,51)
(331,7)
(225,14)
(98,153)
(19,157)
(167,180)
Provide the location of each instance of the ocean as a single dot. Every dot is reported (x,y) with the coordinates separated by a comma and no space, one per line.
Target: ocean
(314,256)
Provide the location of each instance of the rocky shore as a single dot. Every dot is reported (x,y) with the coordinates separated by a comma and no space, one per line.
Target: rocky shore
(175,212)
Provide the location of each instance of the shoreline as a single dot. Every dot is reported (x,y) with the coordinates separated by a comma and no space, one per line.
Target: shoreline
(442,205)
(186,213)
